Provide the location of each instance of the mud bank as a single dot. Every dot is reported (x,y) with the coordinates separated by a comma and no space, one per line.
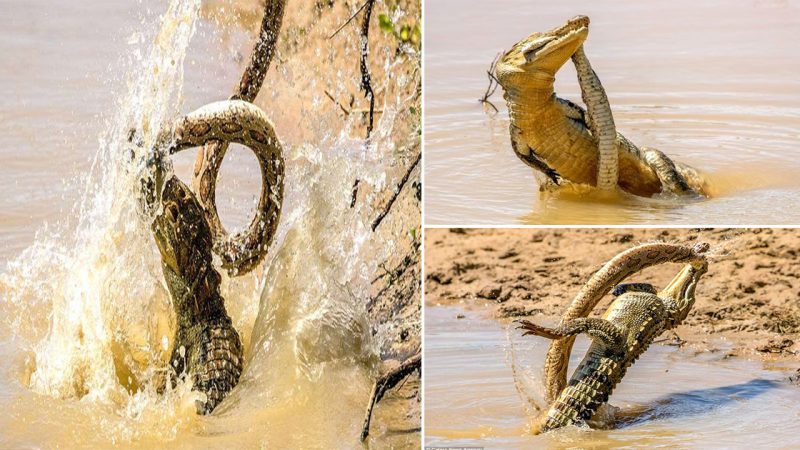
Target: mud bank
(747,305)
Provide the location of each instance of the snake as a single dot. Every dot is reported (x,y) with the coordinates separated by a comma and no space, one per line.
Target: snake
(241,122)
(242,253)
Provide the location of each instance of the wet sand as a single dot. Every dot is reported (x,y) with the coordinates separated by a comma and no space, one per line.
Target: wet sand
(748,304)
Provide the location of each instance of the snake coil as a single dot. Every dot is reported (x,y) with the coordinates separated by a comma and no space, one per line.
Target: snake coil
(237,120)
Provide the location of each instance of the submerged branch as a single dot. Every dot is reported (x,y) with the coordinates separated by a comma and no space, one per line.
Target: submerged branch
(397,191)
(388,381)
(493,84)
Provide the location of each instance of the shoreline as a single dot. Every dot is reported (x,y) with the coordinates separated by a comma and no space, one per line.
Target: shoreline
(748,305)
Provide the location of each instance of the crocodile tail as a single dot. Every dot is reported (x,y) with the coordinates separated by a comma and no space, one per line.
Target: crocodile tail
(218,364)
(578,402)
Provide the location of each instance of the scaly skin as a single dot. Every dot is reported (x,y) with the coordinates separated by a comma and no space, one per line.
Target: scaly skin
(188,230)
(632,322)
(600,121)
(206,346)
(244,123)
(210,156)
(557,137)
(611,274)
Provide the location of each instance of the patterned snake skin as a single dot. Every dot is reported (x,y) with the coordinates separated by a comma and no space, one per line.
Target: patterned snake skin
(243,123)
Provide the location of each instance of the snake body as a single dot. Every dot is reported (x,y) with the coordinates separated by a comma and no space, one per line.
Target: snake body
(210,156)
(243,123)
(600,121)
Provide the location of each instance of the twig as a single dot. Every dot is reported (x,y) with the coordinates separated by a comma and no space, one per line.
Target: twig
(366,84)
(397,191)
(366,110)
(348,20)
(674,341)
(387,382)
(346,111)
(493,83)
(354,194)
(336,102)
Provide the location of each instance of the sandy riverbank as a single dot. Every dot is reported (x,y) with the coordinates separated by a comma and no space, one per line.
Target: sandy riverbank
(748,304)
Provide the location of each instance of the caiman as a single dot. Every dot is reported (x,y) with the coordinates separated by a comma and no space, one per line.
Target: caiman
(566,143)
(206,345)
(636,317)
(187,229)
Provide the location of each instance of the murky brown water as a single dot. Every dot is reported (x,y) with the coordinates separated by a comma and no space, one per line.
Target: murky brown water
(713,84)
(480,382)
(84,316)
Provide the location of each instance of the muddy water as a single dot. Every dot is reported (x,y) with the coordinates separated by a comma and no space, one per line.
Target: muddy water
(481,384)
(85,320)
(712,84)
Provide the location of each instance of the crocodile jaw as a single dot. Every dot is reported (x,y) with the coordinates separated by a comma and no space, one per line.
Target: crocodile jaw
(682,290)
(535,60)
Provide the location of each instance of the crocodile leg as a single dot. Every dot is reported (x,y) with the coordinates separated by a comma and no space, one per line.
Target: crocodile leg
(671,179)
(529,157)
(600,121)
(600,330)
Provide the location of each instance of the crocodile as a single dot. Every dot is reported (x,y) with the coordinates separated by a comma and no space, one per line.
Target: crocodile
(189,235)
(636,317)
(567,143)
(616,270)
(206,346)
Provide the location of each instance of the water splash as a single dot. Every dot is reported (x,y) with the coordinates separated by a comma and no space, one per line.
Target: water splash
(100,286)
(97,281)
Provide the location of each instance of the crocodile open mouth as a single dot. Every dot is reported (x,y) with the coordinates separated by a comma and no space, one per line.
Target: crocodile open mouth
(683,285)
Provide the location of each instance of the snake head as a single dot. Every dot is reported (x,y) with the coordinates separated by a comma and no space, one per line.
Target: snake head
(681,290)
(181,231)
(539,56)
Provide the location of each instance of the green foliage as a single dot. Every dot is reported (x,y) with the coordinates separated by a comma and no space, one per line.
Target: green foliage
(406,34)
